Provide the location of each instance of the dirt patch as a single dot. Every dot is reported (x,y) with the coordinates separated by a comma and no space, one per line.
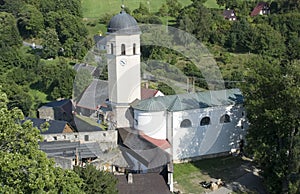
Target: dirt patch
(187,177)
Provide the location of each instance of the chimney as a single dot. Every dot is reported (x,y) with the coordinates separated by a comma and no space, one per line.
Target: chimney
(130,178)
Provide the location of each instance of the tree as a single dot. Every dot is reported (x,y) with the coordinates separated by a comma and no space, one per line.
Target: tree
(9,34)
(18,97)
(50,43)
(73,7)
(25,168)
(56,80)
(240,37)
(142,10)
(165,88)
(221,2)
(96,181)
(272,96)
(174,7)
(288,5)
(293,46)
(268,41)
(11,6)
(30,21)
(163,10)
(199,20)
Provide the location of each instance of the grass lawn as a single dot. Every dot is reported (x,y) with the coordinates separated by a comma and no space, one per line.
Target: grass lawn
(91,121)
(38,98)
(212,4)
(187,176)
(94,27)
(96,8)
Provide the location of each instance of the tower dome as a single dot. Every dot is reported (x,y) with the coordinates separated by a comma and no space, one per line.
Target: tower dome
(123,23)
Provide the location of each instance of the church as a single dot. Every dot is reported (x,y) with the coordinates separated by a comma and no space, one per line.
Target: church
(179,127)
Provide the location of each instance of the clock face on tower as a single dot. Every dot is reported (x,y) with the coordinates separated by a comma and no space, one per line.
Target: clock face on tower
(123,62)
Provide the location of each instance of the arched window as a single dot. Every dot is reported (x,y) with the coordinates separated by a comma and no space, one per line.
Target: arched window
(185,123)
(134,49)
(112,48)
(123,52)
(225,119)
(205,121)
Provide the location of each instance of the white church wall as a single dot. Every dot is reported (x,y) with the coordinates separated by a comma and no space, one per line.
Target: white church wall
(159,93)
(122,115)
(214,138)
(128,83)
(152,124)
(128,40)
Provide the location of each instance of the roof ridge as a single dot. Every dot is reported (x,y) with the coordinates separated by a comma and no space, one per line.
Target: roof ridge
(173,103)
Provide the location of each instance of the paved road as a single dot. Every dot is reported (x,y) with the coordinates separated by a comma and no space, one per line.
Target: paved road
(32,45)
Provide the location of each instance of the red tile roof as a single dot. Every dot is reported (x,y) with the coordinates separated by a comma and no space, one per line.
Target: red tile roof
(163,144)
(148,93)
(260,6)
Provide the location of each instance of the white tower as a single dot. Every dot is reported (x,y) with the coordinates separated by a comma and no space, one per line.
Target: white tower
(123,60)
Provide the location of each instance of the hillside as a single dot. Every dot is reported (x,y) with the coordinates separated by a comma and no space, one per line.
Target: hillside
(96,8)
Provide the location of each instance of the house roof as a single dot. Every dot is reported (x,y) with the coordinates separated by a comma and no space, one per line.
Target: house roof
(142,183)
(144,151)
(83,126)
(260,6)
(228,14)
(148,93)
(100,39)
(68,149)
(89,150)
(59,148)
(94,95)
(180,102)
(80,66)
(163,144)
(59,103)
(112,156)
(55,126)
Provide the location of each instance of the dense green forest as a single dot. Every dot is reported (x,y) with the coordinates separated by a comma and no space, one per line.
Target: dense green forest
(258,54)
(32,76)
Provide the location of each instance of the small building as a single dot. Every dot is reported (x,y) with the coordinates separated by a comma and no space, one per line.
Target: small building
(230,15)
(100,42)
(58,110)
(262,8)
(67,153)
(51,127)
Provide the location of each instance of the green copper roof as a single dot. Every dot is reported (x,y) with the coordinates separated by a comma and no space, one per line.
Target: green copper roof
(188,101)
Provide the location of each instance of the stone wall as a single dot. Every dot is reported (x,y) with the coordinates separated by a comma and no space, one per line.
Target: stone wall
(109,137)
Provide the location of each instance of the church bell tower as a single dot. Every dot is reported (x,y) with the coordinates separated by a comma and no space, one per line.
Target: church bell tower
(123,61)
